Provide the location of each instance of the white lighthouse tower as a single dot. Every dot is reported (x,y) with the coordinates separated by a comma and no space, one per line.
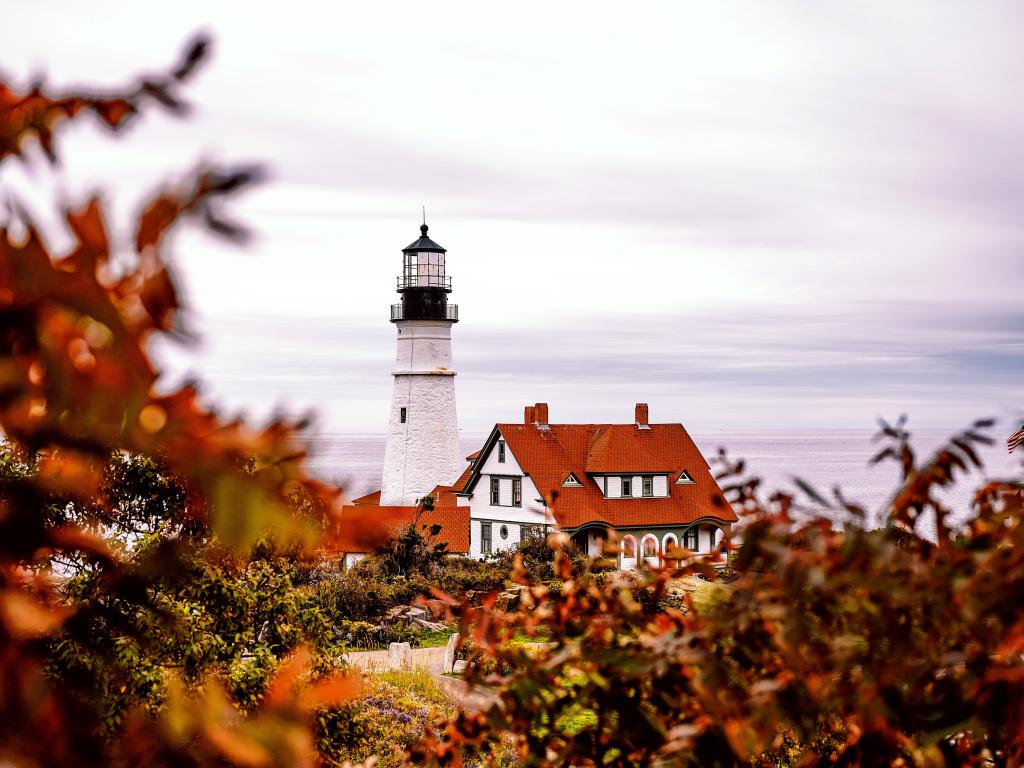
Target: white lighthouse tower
(423,436)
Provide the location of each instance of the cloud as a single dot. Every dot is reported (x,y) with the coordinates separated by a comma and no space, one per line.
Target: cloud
(795,215)
(836,368)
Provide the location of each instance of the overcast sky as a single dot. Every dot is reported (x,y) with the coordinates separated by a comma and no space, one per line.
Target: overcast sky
(750,215)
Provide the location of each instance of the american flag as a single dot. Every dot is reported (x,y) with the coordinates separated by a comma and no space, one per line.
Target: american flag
(1015,439)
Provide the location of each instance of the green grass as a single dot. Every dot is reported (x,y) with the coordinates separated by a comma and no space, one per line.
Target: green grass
(419,683)
(432,639)
(543,636)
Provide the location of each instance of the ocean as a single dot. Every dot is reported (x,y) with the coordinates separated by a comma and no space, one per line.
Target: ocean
(823,458)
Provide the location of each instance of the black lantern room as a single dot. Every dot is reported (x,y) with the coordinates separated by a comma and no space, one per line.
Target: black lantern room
(423,284)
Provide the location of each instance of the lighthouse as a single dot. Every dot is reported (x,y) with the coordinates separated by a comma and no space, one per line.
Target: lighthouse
(423,437)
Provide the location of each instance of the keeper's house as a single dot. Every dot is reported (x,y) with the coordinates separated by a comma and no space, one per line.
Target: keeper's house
(647,482)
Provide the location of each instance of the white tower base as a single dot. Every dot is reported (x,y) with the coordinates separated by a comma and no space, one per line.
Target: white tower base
(423,449)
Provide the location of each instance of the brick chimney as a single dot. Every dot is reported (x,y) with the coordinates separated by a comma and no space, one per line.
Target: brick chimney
(529,415)
(540,414)
(641,417)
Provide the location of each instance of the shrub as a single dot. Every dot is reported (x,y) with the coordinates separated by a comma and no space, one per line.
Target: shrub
(394,712)
(363,593)
(364,635)
(457,575)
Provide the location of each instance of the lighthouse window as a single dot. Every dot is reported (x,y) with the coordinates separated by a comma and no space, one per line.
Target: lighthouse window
(402,414)
(495,492)
(485,538)
(517,491)
(501,451)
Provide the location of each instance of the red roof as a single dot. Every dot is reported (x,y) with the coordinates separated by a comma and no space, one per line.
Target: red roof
(550,453)
(363,527)
(459,484)
(370,498)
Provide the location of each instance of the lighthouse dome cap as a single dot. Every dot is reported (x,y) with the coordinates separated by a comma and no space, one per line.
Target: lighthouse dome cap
(424,243)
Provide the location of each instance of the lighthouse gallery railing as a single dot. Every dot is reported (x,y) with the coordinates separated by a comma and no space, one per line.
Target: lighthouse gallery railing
(433,312)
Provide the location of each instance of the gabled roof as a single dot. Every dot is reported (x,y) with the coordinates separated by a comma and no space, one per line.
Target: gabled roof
(549,454)
(444,496)
(362,526)
(460,483)
(370,498)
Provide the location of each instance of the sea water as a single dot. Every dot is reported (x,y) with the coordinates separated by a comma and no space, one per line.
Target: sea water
(823,458)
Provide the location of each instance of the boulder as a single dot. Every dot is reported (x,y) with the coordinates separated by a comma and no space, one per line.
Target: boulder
(406,613)
(507,601)
(395,613)
(436,609)
(399,656)
(449,654)
(433,626)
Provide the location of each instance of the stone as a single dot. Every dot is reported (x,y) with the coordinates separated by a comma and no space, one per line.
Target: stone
(459,667)
(406,613)
(400,656)
(436,609)
(507,601)
(433,626)
(395,612)
(449,653)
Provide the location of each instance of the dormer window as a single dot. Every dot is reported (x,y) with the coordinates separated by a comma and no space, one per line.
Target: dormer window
(627,487)
(648,486)
(501,451)
(684,478)
(572,481)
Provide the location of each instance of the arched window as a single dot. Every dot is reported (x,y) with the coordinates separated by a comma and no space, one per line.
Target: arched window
(650,546)
(629,547)
(669,543)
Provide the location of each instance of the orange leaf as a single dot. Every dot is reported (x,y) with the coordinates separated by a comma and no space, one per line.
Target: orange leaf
(332,691)
(26,618)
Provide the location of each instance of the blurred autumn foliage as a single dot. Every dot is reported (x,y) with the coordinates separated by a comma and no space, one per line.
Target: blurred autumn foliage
(147,547)
(832,647)
(77,386)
